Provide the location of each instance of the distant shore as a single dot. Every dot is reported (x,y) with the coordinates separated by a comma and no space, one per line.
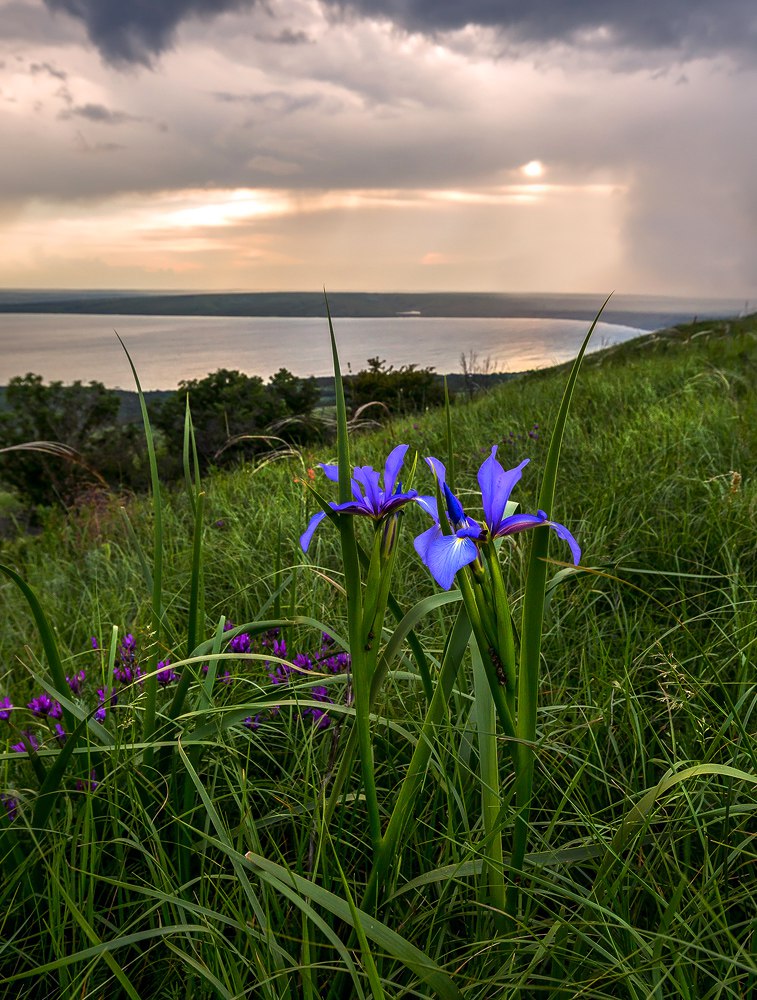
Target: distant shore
(648,312)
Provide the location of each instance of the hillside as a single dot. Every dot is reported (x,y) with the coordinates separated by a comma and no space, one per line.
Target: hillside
(216,795)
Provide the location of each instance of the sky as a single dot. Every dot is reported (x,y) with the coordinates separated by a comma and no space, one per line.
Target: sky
(380,145)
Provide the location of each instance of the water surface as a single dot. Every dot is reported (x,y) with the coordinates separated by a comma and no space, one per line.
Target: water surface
(168,349)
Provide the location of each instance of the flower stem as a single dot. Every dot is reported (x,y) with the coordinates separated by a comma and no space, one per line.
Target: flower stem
(489,656)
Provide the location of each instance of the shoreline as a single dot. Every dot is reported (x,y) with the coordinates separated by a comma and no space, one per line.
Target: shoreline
(642,311)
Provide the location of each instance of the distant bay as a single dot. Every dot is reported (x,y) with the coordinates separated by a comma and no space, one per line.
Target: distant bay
(70,336)
(167,349)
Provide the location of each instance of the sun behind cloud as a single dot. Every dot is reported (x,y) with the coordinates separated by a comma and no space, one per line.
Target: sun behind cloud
(534,168)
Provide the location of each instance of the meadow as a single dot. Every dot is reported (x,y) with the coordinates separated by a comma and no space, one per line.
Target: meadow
(234,769)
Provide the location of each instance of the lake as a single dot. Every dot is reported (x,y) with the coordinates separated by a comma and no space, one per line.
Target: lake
(167,349)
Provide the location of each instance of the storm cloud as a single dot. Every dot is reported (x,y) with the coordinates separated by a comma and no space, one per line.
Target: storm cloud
(689,27)
(135,31)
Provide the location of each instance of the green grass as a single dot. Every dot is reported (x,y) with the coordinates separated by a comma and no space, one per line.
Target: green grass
(143,888)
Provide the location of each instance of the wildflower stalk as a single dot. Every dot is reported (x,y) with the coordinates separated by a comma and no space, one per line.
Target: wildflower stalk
(195,617)
(361,666)
(489,654)
(151,677)
(492,889)
(505,638)
(404,631)
(372,589)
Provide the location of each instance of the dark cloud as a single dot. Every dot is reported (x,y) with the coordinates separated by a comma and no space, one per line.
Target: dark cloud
(687,26)
(135,31)
(100,114)
(289,37)
(276,102)
(49,70)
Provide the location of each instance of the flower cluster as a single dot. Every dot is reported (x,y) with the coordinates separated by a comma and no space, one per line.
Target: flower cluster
(369,498)
(445,553)
(327,660)
(444,550)
(514,440)
(43,706)
(127,672)
(126,669)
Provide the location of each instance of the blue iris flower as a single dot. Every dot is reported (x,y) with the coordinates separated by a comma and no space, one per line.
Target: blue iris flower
(370,500)
(444,555)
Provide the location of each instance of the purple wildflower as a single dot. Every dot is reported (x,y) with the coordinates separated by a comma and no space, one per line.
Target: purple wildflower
(6,707)
(87,784)
(166,676)
(76,680)
(60,733)
(11,806)
(444,555)
(28,741)
(126,669)
(95,644)
(44,706)
(240,643)
(269,638)
(319,715)
(369,499)
(108,697)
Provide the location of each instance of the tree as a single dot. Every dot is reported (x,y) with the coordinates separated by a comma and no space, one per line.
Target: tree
(230,409)
(83,419)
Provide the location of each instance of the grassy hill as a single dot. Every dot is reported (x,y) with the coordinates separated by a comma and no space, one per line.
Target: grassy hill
(648,667)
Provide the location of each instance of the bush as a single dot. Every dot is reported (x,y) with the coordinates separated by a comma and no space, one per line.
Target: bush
(230,410)
(403,390)
(82,418)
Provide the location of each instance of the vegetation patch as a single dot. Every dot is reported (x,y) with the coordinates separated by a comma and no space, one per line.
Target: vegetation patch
(452,747)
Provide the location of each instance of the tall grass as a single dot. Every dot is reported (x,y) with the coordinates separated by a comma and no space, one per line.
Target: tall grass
(211,859)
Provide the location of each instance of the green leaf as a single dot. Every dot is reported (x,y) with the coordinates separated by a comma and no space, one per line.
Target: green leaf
(640,814)
(392,943)
(47,636)
(151,678)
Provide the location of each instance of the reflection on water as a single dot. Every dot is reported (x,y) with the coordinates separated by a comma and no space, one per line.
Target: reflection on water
(167,349)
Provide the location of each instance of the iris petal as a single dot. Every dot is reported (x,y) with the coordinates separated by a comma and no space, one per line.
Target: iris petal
(428,505)
(330,471)
(396,501)
(470,529)
(392,468)
(424,540)
(368,478)
(524,522)
(454,507)
(496,486)
(307,535)
(562,532)
(353,507)
(446,555)
(437,468)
